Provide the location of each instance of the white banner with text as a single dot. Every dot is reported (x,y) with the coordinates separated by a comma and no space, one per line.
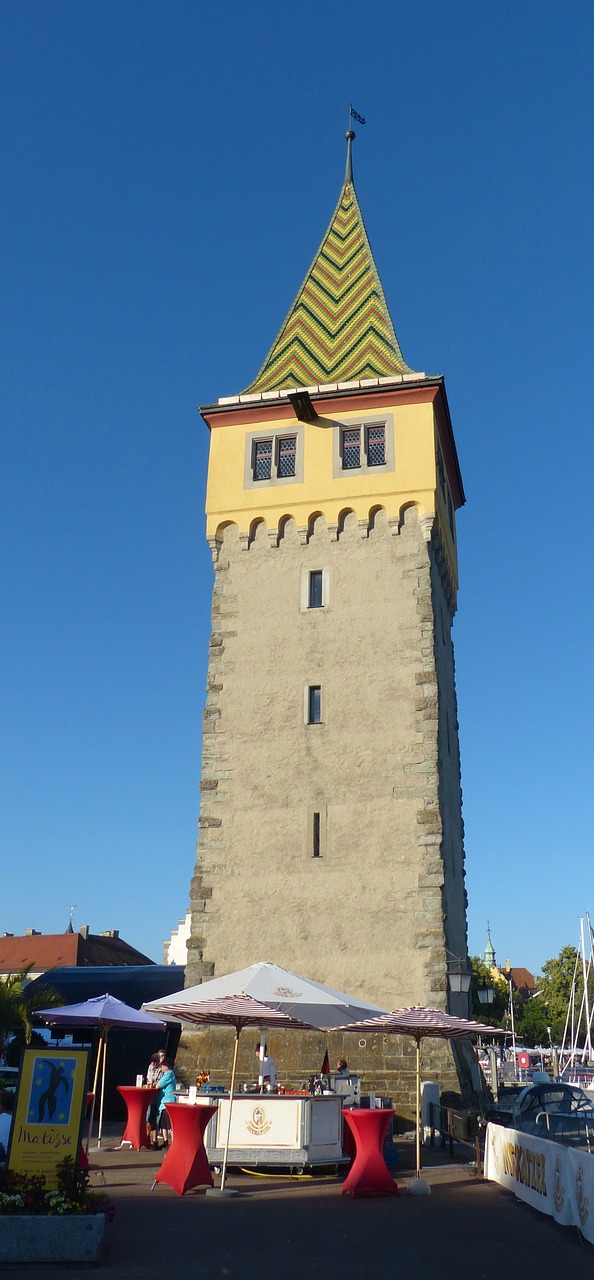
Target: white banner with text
(556,1179)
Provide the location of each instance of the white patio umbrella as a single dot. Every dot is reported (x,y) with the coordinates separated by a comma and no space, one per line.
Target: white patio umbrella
(103,1012)
(420,1022)
(263,995)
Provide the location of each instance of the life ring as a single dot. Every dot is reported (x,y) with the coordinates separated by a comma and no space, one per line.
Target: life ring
(523,1060)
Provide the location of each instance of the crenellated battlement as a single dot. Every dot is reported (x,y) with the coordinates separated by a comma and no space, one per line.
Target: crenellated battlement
(350,526)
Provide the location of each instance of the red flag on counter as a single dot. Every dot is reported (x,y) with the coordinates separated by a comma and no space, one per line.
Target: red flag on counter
(325,1065)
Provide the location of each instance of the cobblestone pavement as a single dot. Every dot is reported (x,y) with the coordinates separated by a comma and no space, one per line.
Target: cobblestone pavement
(283,1228)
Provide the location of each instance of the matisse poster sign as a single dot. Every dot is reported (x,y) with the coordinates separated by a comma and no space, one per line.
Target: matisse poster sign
(49,1111)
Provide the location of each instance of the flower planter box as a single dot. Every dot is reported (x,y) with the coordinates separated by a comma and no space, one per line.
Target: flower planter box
(58,1238)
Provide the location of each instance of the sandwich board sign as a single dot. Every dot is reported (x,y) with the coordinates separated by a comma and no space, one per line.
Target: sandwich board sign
(49,1111)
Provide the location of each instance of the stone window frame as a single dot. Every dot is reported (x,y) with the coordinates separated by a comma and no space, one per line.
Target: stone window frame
(312,724)
(296,432)
(304,605)
(377,420)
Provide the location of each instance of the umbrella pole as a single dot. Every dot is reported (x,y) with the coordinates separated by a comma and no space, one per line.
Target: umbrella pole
(233,1070)
(418,1039)
(102,1089)
(96,1077)
(261,1060)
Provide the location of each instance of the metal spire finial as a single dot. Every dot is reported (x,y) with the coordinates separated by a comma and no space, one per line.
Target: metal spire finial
(348,174)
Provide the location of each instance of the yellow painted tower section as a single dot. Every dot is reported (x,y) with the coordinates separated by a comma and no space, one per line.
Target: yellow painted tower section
(416,432)
(414,480)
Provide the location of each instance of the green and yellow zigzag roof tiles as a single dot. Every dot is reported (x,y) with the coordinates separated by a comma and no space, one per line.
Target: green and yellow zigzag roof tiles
(339,328)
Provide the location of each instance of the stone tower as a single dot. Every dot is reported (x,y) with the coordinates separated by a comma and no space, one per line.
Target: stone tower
(330,832)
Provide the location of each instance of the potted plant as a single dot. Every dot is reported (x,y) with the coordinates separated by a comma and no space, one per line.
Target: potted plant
(65,1223)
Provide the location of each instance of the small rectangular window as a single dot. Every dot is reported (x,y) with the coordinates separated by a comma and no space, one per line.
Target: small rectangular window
(314,704)
(274,460)
(376,446)
(262,459)
(287,453)
(315,589)
(316,836)
(351,448)
(363,447)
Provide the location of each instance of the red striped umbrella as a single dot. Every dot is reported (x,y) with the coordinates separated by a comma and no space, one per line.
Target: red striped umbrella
(226,1011)
(420,1022)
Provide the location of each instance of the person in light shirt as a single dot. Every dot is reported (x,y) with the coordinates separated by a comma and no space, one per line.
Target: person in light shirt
(166,1086)
(267,1069)
(154,1072)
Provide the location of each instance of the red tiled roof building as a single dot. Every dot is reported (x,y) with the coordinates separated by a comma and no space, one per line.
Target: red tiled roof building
(44,951)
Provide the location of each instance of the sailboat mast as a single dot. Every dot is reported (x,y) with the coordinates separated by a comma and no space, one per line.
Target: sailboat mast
(590,1013)
(588,1044)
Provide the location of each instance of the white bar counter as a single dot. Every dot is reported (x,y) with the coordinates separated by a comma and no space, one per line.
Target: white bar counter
(298,1130)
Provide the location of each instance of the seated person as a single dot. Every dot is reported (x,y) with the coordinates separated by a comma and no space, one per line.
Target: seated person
(342,1068)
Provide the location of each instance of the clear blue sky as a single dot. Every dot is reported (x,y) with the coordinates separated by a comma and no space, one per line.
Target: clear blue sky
(169,170)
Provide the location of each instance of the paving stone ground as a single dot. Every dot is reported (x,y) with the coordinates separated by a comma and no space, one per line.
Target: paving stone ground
(282,1228)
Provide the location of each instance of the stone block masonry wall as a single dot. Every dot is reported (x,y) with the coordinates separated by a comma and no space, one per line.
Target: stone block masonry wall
(378,911)
(385,1063)
(216,773)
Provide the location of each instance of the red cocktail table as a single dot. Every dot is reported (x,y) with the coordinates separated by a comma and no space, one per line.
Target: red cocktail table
(369,1174)
(186,1163)
(137,1101)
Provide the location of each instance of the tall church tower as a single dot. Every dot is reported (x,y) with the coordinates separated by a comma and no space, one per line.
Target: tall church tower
(331,837)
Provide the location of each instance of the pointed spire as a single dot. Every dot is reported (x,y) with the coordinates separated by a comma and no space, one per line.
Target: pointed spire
(339,328)
(489,950)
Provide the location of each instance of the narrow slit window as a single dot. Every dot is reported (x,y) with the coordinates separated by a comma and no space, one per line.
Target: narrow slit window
(314,704)
(287,454)
(351,448)
(376,446)
(262,459)
(315,589)
(316,836)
